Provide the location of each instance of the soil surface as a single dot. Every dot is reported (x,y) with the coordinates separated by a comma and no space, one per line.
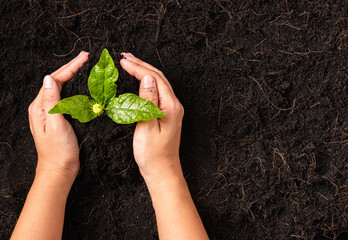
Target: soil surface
(264,85)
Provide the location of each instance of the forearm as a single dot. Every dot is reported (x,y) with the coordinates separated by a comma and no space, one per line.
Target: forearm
(42,216)
(176,214)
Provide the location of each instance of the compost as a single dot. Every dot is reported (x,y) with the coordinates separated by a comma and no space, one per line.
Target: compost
(265,134)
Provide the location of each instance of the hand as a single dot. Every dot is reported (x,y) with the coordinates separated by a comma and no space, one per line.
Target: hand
(156,142)
(55,140)
(156,151)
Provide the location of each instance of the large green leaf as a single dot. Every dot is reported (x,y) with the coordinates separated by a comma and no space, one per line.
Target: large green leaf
(78,106)
(129,108)
(101,81)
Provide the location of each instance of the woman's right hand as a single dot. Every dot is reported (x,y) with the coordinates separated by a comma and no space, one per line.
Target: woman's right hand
(156,151)
(156,142)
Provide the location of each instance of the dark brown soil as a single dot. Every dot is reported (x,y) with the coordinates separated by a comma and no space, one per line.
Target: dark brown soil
(265,89)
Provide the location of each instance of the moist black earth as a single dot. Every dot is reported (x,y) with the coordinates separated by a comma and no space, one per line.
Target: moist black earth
(265,134)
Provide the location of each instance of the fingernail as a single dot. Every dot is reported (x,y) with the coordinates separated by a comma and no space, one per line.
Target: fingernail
(125,55)
(48,82)
(82,53)
(147,81)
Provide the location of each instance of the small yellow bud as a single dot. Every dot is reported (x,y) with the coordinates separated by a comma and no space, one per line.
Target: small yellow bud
(97,108)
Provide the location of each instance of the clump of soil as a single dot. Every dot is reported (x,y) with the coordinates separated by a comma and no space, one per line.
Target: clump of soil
(265,135)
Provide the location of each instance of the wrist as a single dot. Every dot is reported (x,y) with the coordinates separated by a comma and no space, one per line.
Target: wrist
(164,181)
(171,190)
(58,168)
(59,184)
(165,170)
(60,180)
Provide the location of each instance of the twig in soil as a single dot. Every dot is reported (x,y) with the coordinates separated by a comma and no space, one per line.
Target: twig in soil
(211,189)
(289,25)
(338,142)
(315,104)
(120,139)
(77,14)
(161,11)
(125,170)
(302,54)
(82,143)
(276,151)
(280,109)
(261,165)
(301,180)
(221,107)
(343,199)
(117,18)
(7,144)
(178,3)
(247,182)
(281,16)
(3,53)
(201,190)
(206,39)
(3,213)
(70,31)
(230,51)
(297,236)
(219,115)
(2,99)
(232,13)
(220,174)
(64,55)
(333,229)
(243,193)
(321,195)
(159,58)
(341,19)
(248,209)
(331,181)
(334,127)
(89,216)
(287,5)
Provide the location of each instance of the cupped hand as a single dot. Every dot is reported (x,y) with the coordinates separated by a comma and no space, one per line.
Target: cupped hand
(55,139)
(156,142)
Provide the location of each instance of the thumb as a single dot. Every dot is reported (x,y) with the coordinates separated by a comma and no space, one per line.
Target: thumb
(148,89)
(50,97)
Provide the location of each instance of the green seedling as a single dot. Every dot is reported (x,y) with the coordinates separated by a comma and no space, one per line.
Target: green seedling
(124,109)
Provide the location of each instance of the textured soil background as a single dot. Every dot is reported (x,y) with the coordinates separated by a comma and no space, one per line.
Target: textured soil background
(265,135)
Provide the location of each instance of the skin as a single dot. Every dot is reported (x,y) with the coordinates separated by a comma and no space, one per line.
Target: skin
(156,151)
(58,163)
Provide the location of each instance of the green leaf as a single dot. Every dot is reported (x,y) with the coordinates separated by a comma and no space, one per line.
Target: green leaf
(78,106)
(129,108)
(101,81)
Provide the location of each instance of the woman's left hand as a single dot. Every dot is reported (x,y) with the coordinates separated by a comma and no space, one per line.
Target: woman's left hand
(55,139)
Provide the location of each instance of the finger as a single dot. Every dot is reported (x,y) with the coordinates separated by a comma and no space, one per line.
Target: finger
(132,58)
(139,72)
(36,117)
(36,114)
(166,98)
(50,97)
(148,89)
(67,72)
